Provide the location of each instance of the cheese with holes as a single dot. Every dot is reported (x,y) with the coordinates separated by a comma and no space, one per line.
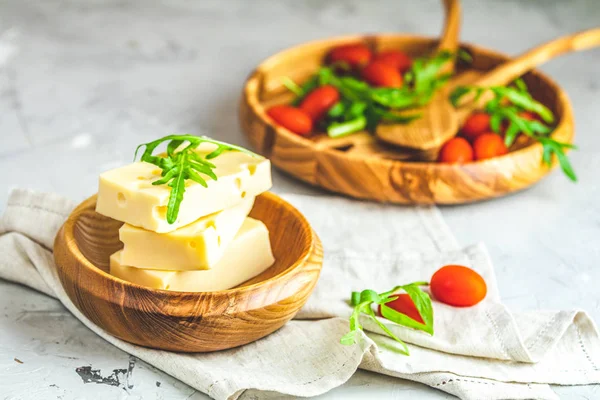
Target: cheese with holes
(127,194)
(199,245)
(248,255)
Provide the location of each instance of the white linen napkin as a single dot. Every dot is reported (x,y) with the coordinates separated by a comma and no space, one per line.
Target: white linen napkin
(483,352)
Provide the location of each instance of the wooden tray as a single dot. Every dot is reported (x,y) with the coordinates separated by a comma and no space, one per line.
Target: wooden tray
(184,321)
(360,167)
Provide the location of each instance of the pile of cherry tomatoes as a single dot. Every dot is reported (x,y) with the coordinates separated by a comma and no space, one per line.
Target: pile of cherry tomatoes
(477,141)
(384,69)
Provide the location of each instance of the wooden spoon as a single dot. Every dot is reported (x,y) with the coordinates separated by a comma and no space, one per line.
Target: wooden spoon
(365,143)
(450,39)
(440,121)
(509,71)
(410,136)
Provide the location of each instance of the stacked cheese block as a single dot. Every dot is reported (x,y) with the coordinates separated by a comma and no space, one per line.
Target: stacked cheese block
(213,244)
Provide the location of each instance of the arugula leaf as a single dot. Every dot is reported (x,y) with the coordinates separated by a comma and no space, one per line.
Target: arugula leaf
(356,109)
(177,185)
(422,302)
(401,119)
(337,110)
(341,129)
(425,73)
(458,94)
(524,100)
(292,86)
(511,133)
(465,56)
(349,338)
(496,122)
(520,84)
(370,313)
(300,90)
(180,164)
(395,98)
(507,107)
(363,301)
(360,99)
(362,106)
(355,298)
(552,147)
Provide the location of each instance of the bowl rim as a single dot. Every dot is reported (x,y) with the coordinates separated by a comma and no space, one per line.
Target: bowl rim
(67,231)
(566,116)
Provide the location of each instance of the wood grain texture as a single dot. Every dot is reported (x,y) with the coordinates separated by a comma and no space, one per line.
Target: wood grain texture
(183,321)
(436,125)
(357,166)
(450,37)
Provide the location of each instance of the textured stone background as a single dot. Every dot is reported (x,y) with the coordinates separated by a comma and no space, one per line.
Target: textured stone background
(83,82)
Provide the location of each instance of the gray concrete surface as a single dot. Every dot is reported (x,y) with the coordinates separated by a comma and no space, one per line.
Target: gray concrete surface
(83,82)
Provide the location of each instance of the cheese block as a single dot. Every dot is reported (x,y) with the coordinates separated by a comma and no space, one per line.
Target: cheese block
(248,255)
(127,194)
(199,245)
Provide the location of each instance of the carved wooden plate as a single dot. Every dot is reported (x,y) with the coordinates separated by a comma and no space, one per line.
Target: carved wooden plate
(361,167)
(184,321)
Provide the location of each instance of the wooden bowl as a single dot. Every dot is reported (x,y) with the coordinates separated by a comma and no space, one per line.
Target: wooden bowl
(360,167)
(184,321)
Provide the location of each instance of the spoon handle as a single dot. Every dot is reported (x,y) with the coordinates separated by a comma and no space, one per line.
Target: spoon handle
(509,71)
(451,32)
(450,39)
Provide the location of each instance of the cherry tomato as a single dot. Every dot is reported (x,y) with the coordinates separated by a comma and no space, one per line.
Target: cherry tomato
(319,101)
(291,118)
(488,145)
(456,151)
(395,58)
(458,286)
(475,125)
(404,304)
(355,55)
(382,75)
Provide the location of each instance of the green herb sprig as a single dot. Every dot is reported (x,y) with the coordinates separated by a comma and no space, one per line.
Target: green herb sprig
(362,106)
(363,302)
(506,107)
(424,77)
(182,163)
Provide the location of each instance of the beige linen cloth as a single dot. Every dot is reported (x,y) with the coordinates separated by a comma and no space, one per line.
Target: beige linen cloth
(483,352)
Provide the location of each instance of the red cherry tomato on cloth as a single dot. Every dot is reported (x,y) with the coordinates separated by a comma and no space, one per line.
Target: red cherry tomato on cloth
(404,305)
(458,286)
